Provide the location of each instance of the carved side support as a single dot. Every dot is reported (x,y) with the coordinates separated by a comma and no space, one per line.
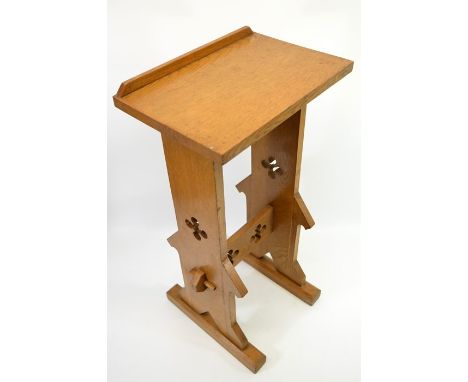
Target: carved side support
(210,280)
(276,164)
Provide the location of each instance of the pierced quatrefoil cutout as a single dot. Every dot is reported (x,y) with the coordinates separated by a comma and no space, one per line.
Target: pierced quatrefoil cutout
(195,225)
(273,168)
(231,254)
(258,233)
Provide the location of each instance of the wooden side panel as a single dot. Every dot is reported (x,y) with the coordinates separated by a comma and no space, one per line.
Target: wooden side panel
(276,163)
(197,191)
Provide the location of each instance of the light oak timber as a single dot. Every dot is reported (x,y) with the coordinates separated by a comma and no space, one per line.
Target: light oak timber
(177,63)
(248,237)
(197,191)
(306,292)
(243,89)
(250,356)
(221,98)
(284,145)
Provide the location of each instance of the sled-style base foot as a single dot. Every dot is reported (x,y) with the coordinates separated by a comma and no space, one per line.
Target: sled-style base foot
(251,357)
(307,293)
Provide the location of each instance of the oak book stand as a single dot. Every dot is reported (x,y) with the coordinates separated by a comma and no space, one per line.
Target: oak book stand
(243,89)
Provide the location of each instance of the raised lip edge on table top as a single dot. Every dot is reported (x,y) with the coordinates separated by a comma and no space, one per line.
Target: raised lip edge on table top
(178,63)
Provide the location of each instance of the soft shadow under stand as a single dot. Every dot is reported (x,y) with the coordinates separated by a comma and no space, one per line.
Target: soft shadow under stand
(243,89)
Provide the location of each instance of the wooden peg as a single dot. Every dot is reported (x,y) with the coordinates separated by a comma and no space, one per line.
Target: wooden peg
(200,282)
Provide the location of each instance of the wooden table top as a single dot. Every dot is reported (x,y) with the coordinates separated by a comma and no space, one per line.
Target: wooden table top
(225,95)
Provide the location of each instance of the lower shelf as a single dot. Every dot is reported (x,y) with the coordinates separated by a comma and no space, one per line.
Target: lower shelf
(307,292)
(250,357)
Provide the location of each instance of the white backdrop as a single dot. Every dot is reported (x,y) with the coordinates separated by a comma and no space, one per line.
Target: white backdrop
(150,339)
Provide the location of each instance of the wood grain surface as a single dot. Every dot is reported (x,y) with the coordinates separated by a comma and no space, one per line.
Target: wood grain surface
(283,147)
(198,195)
(221,98)
(243,89)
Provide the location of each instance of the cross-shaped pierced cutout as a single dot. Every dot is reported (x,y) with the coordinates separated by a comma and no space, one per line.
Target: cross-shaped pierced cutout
(195,225)
(232,254)
(258,233)
(273,168)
